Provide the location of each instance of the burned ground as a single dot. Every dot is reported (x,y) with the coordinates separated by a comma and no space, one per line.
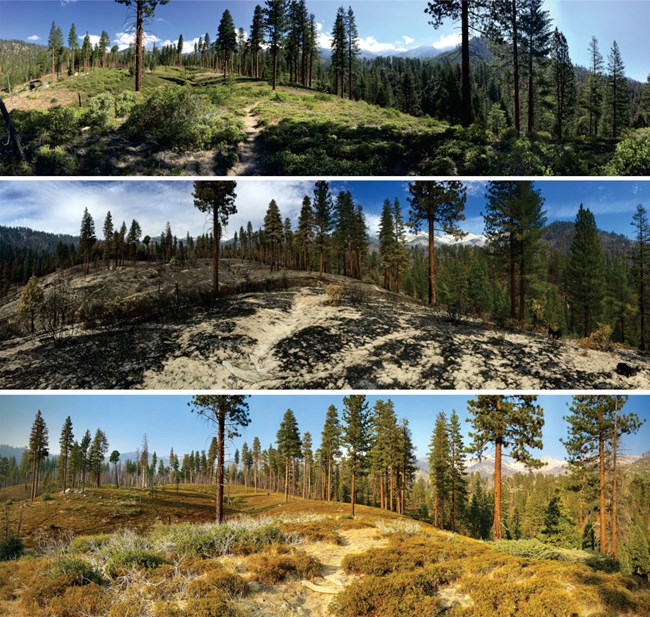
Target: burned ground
(281,330)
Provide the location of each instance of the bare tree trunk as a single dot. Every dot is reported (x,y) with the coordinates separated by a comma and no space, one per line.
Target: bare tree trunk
(13,134)
(601,478)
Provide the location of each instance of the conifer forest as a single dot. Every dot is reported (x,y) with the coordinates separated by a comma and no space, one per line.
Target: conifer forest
(274,93)
(385,353)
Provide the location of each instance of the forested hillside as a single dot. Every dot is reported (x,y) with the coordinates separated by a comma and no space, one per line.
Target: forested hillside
(514,105)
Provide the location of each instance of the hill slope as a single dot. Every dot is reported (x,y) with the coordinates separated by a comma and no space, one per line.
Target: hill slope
(304,558)
(144,328)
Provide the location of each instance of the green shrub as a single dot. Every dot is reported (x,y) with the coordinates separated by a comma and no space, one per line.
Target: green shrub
(76,571)
(125,102)
(89,544)
(11,548)
(178,118)
(101,110)
(129,558)
(54,161)
(532,549)
(632,156)
(62,124)
(215,605)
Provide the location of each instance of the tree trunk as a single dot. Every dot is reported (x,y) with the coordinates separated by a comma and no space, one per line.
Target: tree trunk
(601,478)
(531,95)
(432,263)
(513,286)
(286,481)
(275,67)
(13,134)
(614,484)
(139,28)
(465,78)
(216,232)
(522,289)
(221,433)
(329,480)
(515,67)
(353,489)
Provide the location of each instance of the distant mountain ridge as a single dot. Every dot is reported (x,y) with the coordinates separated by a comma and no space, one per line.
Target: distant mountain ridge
(26,238)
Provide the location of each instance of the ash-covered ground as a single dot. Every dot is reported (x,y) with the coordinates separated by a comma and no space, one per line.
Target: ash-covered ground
(288,334)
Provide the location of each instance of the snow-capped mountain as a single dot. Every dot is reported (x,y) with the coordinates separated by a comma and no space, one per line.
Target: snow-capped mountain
(422,239)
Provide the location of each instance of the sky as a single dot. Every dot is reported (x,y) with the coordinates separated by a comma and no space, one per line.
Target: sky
(57,206)
(384,25)
(168,422)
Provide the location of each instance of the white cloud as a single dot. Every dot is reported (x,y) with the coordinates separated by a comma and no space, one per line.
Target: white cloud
(323,40)
(151,203)
(407,39)
(371,44)
(124,39)
(34,37)
(448,40)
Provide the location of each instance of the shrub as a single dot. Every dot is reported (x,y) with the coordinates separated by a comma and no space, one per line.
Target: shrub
(89,544)
(212,606)
(334,294)
(129,558)
(235,537)
(54,161)
(125,102)
(531,549)
(180,119)
(314,532)
(80,601)
(217,581)
(278,562)
(600,339)
(62,124)
(76,571)
(632,156)
(101,110)
(11,548)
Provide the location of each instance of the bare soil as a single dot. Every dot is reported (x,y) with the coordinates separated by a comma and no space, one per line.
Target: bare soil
(281,331)
(250,151)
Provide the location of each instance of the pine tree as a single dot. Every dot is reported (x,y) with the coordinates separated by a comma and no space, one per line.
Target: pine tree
(457,474)
(641,267)
(585,272)
(383,456)
(513,424)
(87,238)
(73,45)
(400,261)
(439,204)
(289,446)
(219,199)
(104,42)
(387,243)
(338,52)
(471,16)
(559,527)
(257,39)
(351,47)
(143,9)
(305,234)
(65,446)
(330,445)
(38,449)
(54,44)
(617,99)
(275,23)
(108,238)
(273,233)
(356,437)
(594,86)
(440,468)
(536,36)
(563,79)
(227,413)
(31,301)
(115,459)
(86,50)
(226,40)
(257,455)
(308,461)
(96,455)
(322,221)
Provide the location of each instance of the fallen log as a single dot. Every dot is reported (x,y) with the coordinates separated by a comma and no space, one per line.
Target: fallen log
(13,134)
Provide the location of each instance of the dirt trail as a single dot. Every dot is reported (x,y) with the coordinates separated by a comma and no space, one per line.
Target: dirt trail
(312,598)
(250,150)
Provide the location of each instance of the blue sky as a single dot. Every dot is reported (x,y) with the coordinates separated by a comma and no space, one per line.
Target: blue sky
(384,25)
(167,421)
(57,206)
